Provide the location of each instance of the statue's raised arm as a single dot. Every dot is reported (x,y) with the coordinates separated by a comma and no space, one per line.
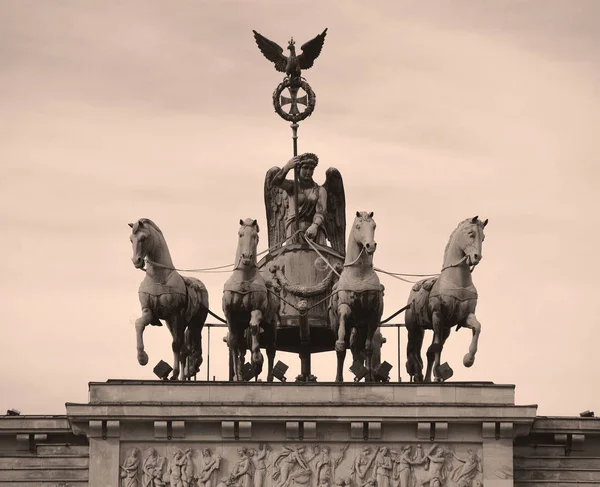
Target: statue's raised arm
(321,209)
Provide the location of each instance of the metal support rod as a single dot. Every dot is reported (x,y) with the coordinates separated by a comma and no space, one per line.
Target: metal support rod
(208,358)
(295,141)
(305,352)
(398,330)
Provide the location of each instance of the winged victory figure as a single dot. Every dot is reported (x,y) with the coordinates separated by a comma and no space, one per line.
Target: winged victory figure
(321,209)
(293,64)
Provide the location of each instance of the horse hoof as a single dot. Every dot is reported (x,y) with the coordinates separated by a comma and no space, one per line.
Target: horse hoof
(340,346)
(142,358)
(468,360)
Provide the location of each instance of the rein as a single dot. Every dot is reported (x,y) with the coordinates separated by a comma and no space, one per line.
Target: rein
(218,269)
(312,245)
(362,249)
(472,268)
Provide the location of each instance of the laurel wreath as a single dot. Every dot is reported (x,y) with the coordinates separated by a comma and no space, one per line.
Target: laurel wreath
(286,83)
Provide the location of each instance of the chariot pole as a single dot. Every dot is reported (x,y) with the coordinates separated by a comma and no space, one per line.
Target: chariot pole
(294,85)
(295,142)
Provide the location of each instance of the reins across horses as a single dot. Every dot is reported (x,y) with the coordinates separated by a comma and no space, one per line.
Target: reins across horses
(224,268)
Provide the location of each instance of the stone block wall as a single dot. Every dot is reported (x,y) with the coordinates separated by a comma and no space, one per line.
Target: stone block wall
(559,451)
(41,451)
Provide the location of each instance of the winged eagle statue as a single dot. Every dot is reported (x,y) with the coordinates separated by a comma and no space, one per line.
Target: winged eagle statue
(321,208)
(293,64)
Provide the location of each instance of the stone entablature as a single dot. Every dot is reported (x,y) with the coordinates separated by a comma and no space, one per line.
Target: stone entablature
(214,434)
(186,425)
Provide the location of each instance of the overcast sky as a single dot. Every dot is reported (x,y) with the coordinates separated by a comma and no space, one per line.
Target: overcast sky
(432,111)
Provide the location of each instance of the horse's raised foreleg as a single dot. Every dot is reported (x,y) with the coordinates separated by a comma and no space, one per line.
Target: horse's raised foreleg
(140,325)
(434,350)
(472,323)
(257,359)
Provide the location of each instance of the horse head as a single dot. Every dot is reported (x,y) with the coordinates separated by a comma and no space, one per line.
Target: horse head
(468,239)
(363,232)
(142,241)
(247,243)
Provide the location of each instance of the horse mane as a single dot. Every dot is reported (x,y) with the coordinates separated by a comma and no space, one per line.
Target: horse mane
(147,221)
(458,227)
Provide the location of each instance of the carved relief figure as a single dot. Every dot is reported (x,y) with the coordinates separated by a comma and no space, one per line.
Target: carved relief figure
(188,469)
(210,466)
(437,464)
(291,467)
(260,464)
(362,465)
(241,473)
(325,468)
(466,473)
(130,469)
(419,455)
(176,470)
(403,468)
(153,470)
(382,471)
(321,209)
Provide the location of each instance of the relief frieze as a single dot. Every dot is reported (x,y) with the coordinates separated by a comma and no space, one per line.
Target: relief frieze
(301,465)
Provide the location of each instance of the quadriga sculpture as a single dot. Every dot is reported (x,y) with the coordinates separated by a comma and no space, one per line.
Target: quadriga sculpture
(357,302)
(248,304)
(440,303)
(182,302)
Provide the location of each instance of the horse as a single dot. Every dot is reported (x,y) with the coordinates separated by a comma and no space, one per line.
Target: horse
(356,304)
(248,303)
(182,302)
(441,302)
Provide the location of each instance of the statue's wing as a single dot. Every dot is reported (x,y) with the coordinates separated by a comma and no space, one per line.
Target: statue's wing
(272,51)
(311,50)
(335,218)
(276,203)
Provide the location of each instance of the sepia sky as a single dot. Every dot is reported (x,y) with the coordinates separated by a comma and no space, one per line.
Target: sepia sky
(432,111)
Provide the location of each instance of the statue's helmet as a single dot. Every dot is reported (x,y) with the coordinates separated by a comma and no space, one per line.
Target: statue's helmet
(308,159)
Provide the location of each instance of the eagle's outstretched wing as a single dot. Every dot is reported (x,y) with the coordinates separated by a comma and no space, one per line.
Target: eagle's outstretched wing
(276,204)
(335,218)
(272,51)
(311,50)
